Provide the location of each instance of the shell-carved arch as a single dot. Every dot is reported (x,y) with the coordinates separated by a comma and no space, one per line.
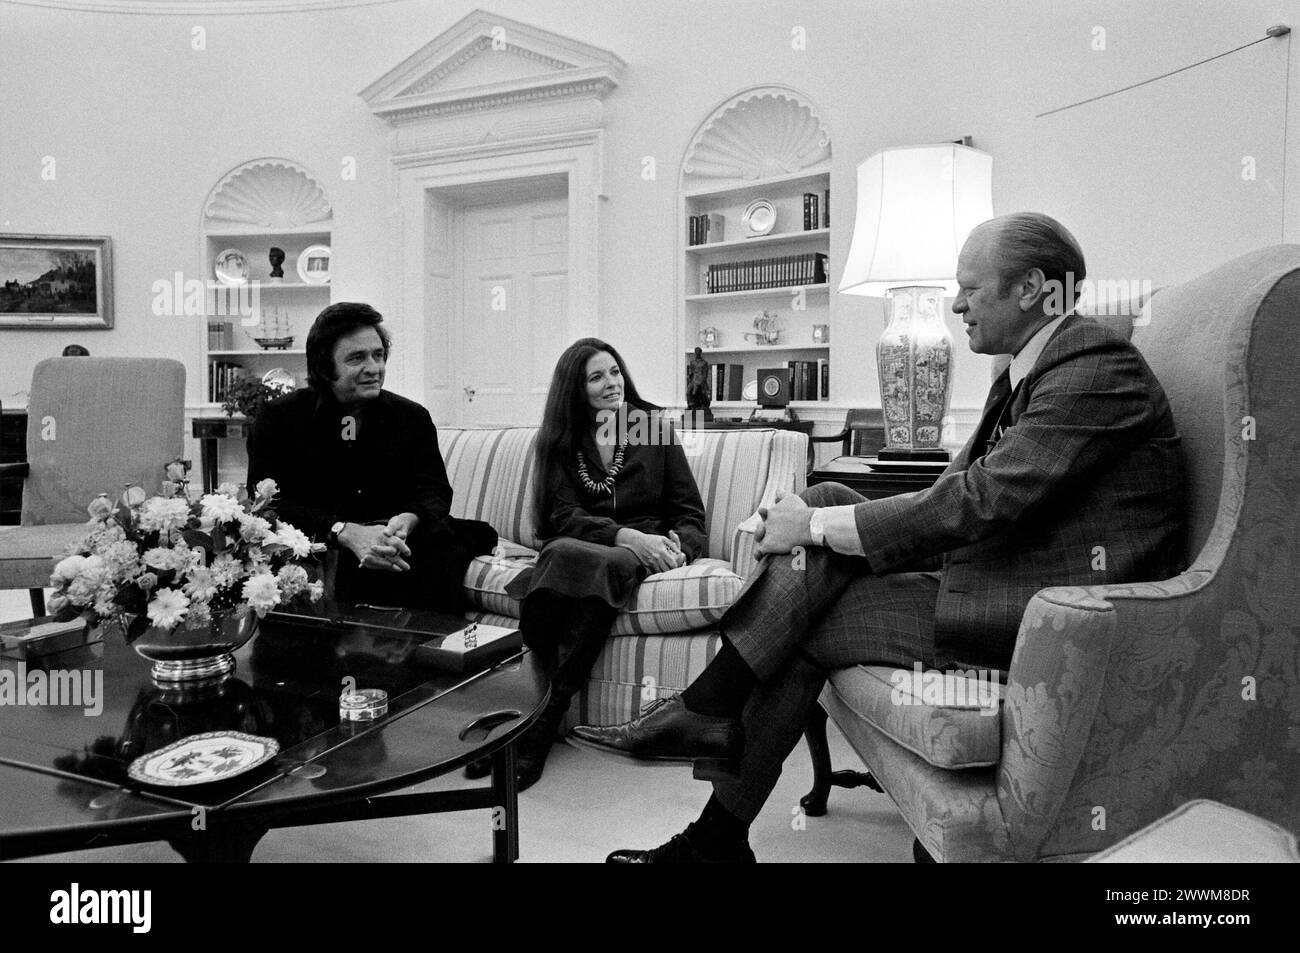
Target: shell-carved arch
(267,193)
(759,133)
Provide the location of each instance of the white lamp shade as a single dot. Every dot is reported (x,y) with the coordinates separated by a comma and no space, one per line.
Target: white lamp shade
(916,205)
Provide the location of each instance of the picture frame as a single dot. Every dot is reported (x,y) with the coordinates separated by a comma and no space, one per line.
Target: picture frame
(56,282)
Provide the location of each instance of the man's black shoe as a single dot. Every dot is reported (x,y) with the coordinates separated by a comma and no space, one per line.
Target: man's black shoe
(680,850)
(669,731)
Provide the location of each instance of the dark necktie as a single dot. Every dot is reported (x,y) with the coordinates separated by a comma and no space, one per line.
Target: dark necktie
(992,422)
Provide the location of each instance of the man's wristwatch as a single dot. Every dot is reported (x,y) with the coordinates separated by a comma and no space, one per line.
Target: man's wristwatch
(334,532)
(817,527)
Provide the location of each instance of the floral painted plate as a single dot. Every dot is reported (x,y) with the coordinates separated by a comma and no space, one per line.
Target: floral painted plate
(201,759)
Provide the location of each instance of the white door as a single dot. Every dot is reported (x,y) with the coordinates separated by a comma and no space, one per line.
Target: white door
(515,292)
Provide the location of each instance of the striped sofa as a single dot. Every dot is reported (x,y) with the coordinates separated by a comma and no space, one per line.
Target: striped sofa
(668,633)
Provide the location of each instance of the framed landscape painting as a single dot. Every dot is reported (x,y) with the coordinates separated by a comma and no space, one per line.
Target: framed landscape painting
(56,282)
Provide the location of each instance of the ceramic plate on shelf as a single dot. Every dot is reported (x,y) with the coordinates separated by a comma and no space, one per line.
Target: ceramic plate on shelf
(279,377)
(314,264)
(750,391)
(231,267)
(201,759)
(759,218)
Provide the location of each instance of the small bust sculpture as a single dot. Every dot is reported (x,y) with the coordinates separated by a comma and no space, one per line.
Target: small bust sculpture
(75,350)
(277,259)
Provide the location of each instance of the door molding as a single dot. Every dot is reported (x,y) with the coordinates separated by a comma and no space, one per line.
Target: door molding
(534,107)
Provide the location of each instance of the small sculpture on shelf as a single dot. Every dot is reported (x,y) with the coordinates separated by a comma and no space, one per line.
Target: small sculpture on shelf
(276,258)
(697,386)
(767,328)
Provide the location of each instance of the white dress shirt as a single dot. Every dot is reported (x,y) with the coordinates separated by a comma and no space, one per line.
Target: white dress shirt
(837,524)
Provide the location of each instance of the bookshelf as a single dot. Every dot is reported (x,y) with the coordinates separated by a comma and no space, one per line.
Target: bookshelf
(260,205)
(767,143)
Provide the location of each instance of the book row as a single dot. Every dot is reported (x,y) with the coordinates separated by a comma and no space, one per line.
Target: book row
(784,271)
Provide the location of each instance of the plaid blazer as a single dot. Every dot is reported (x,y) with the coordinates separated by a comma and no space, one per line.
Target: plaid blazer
(1084,487)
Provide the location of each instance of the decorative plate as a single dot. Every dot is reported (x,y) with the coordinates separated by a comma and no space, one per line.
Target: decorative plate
(750,390)
(201,759)
(231,267)
(314,264)
(759,217)
(279,377)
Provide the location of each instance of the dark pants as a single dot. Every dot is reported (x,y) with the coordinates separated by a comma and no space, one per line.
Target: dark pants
(793,623)
(436,577)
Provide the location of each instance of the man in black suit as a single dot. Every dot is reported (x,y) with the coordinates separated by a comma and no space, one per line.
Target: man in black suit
(358,467)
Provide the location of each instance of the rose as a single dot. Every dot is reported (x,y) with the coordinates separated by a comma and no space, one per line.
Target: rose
(177,470)
(100,508)
(267,488)
(134,495)
(67,569)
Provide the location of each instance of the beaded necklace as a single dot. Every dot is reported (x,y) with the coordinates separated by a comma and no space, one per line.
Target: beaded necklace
(606,485)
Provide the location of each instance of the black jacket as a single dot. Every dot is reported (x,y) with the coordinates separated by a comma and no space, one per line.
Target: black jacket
(654,492)
(390,465)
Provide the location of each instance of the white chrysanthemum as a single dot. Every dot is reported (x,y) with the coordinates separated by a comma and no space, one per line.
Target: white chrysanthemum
(293,580)
(219,507)
(158,513)
(254,529)
(202,585)
(297,541)
(104,604)
(261,593)
(67,569)
(162,558)
(200,614)
(226,569)
(168,607)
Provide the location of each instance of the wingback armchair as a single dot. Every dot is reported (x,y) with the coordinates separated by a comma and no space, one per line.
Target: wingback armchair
(94,424)
(1123,702)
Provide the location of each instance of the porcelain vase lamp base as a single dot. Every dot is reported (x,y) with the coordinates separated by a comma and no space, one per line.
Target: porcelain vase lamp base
(914,357)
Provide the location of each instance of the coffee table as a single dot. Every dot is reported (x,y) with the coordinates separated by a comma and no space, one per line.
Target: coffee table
(63,772)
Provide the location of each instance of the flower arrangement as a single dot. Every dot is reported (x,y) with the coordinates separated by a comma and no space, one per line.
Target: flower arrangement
(167,561)
(249,394)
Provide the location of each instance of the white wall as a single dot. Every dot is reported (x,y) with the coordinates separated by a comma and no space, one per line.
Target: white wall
(141,126)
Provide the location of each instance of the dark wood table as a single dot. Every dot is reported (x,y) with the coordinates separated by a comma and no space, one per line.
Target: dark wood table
(63,772)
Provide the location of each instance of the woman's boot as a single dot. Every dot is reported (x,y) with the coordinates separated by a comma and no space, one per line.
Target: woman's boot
(584,625)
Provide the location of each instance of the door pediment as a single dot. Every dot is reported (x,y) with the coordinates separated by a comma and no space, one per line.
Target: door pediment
(487,61)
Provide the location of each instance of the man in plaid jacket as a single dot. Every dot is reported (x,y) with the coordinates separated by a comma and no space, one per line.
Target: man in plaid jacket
(1074,477)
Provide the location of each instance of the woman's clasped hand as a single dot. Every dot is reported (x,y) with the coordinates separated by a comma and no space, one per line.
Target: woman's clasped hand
(656,553)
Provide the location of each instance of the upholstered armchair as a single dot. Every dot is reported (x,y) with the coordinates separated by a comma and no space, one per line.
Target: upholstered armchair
(1123,702)
(94,424)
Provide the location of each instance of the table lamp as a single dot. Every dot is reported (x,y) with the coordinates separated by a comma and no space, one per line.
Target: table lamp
(916,205)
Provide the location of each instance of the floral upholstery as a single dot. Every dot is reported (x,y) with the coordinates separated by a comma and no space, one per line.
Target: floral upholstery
(1123,702)
(666,636)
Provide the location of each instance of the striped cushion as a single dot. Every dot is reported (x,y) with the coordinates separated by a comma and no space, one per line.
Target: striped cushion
(633,671)
(683,599)
(680,600)
(486,580)
(491,477)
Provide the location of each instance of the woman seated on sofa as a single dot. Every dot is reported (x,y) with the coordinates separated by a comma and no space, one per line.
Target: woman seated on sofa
(616,501)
